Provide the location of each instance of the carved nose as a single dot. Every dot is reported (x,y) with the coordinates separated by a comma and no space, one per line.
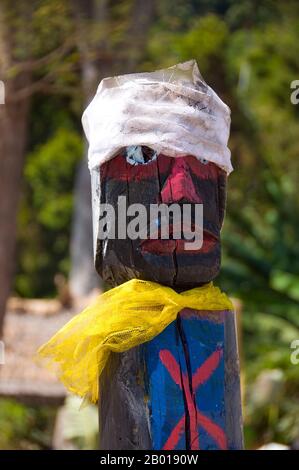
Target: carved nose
(179,186)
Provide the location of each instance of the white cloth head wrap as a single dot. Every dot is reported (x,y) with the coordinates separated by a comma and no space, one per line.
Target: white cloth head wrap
(173,111)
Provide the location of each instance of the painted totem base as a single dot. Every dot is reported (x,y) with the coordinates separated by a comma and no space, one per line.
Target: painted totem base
(180,391)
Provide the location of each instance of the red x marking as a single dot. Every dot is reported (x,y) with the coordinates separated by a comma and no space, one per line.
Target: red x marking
(201,375)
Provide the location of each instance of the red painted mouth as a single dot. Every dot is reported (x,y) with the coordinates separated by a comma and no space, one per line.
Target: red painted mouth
(162,247)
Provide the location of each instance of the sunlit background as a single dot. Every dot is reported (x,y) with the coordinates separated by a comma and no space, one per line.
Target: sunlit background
(53,54)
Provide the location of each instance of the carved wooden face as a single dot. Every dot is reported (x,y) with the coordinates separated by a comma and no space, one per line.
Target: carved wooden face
(159,179)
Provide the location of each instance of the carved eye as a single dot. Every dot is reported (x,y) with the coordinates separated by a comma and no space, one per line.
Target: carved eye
(140,155)
(204,161)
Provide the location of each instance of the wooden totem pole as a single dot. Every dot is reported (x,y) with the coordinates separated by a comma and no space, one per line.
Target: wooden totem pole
(161,138)
(159,350)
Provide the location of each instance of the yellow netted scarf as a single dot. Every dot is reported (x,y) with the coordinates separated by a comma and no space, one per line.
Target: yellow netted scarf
(123,317)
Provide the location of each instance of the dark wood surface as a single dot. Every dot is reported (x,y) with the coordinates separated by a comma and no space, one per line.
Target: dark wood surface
(233,403)
(123,422)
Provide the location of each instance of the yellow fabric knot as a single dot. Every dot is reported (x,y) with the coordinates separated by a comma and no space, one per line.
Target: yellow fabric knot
(123,317)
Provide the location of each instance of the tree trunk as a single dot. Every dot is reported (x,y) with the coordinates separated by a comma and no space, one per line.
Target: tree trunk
(143,14)
(13,135)
(13,131)
(83,277)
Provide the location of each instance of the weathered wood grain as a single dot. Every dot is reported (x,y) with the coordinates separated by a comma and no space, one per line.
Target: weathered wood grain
(233,404)
(123,421)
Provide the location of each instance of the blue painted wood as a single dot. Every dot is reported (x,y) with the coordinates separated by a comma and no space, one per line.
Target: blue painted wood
(204,347)
(166,401)
(184,369)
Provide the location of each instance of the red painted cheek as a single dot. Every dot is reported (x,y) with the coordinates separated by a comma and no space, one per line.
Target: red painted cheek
(203,170)
(115,168)
(179,185)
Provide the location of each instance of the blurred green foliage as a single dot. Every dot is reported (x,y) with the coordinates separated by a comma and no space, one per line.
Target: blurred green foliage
(248,51)
(46,213)
(24,427)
